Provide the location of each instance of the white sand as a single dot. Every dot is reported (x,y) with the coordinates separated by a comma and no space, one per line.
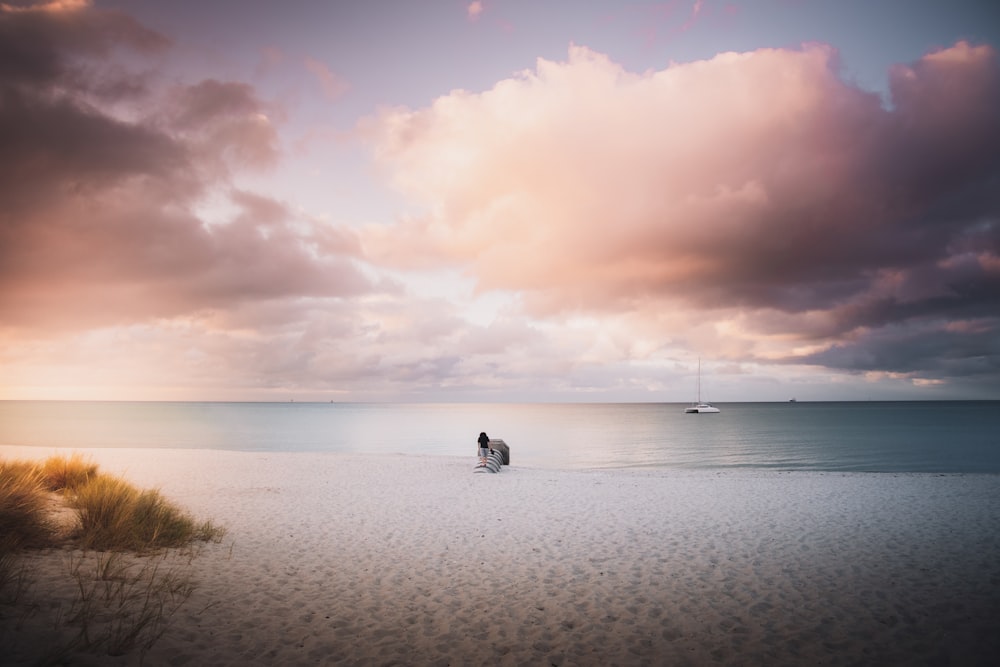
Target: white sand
(379,560)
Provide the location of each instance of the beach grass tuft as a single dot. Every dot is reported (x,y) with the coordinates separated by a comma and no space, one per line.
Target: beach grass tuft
(63,473)
(124,600)
(113,514)
(116,515)
(23,507)
(23,523)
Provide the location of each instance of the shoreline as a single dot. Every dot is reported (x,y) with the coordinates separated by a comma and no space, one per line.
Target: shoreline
(373,559)
(887,438)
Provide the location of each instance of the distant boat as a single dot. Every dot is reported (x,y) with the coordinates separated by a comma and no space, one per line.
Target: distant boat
(700,408)
(793,400)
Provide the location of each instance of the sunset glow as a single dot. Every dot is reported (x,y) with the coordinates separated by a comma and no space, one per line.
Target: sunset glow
(498,201)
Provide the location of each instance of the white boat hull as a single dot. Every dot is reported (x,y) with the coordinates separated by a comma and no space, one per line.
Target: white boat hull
(700,408)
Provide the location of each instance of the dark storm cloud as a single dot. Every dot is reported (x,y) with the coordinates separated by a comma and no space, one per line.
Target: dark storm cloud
(40,44)
(932,350)
(102,205)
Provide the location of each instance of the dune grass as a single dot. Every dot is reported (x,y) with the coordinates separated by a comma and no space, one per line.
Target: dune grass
(116,515)
(124,600)
(23,507)
(113,514)
(26,498)
(67,473)
(23,523)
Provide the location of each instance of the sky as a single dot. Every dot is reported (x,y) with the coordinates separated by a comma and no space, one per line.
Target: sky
(499,200)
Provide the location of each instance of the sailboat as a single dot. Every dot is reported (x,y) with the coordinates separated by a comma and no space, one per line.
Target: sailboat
(700,408)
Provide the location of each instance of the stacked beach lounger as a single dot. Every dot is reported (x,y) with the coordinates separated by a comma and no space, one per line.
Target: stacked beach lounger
(499,456)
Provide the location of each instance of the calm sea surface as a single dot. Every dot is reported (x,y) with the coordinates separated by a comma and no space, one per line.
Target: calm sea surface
(953,436)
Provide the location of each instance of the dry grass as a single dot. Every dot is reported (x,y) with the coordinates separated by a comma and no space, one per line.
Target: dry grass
(116,515)
(23,523)
(124,601)
(113,514)
(23,504)
(62,473)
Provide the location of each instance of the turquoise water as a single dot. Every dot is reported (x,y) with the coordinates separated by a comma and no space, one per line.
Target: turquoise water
(952,436)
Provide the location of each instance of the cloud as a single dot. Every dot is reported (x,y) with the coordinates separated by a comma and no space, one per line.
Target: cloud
(696,10)
(223,124)
(754,204)
(671,18)
(334,86)
(758,190)
(40,43)
(474,10)
(127,246)
(106,202)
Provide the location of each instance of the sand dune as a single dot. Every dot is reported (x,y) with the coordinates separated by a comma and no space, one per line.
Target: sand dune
(381,560)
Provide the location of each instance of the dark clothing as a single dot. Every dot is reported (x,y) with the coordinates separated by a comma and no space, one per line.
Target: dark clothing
(484,448)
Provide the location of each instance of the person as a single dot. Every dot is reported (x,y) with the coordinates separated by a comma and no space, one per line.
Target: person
(484,448)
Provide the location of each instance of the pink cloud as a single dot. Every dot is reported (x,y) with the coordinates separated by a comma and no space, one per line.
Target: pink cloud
(334,86)
(474,10)
(754,204)
(102,221)
(672,18)
(112,257)
(696,10)
(751,184)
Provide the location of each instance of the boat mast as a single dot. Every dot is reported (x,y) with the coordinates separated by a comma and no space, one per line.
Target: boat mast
(699,380)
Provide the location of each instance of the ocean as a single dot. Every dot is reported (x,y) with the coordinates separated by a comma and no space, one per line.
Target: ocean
(931,436)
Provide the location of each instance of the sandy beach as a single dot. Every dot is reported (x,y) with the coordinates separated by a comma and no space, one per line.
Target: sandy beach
(414,560)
